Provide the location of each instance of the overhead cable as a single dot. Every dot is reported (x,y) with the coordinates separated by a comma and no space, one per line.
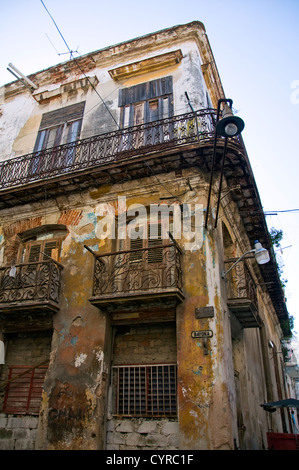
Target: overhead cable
(75,60)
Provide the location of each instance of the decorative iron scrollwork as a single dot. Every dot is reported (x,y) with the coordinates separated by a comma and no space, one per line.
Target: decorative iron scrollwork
(133,271)
(39,281)
(101,149)
(241,284)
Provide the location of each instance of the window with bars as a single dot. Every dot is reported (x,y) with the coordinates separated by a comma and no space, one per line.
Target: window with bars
(146,390)
(24,390)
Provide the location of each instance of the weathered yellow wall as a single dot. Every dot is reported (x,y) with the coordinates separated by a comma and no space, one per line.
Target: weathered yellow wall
(74,407)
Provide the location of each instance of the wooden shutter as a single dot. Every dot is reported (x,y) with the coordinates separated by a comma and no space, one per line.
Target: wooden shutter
(136,244)
(41,251)
(145,91)
(51,250)
(155,255)
(34,253)
(62,115)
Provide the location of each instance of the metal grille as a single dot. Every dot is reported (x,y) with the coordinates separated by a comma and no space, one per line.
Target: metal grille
(99,150)
(32,282)
(24,390)
(138,270)
(146,390)
(240,282)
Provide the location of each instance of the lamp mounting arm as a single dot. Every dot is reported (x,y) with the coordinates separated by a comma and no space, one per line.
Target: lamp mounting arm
(224,273)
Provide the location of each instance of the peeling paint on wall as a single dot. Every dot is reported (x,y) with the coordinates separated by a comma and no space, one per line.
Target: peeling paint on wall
(80,359)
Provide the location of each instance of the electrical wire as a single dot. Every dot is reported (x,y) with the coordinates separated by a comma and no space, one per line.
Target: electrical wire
(89,131)
(93,87)
(83,73)
(277,212)
(76,62)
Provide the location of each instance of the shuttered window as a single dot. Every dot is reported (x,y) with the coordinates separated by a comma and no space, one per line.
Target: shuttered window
(146,102)
(155,254)
(60,126)
(24,390)
(154,238)
(40,251)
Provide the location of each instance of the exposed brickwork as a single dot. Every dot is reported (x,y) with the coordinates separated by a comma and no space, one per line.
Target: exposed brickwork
(13,241)
(27,348)
(145,344)
(20,226)
(70,217)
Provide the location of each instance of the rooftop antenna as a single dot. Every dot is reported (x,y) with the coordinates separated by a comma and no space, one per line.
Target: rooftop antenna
(78,65)
(20,76)
(71,52)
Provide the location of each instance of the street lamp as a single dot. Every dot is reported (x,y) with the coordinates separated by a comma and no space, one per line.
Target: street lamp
(261,255)
(228,126)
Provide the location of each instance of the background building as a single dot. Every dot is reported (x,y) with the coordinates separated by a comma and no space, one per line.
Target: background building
(116,342)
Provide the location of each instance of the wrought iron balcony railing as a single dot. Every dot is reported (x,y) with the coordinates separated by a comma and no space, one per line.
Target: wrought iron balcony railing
(242,294)
(142,273)
(99,150)
(31,285)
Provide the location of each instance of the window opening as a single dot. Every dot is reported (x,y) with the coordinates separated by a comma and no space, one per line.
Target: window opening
(142,104)
(38,251)
(24,389)
(153,239)
(62,126)
(146,390)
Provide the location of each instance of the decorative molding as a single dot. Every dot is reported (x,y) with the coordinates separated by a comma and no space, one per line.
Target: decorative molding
(46,95)
(147,65)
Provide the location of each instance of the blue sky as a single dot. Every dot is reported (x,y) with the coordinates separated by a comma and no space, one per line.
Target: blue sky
(256,48)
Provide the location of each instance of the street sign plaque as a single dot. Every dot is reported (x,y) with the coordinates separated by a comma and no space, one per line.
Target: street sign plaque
(202,334)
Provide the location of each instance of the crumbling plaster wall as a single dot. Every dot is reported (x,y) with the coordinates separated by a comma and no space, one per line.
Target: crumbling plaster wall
(20,112)
(74,402)
(253,361)
(76,384)
(205,385)
(74,398)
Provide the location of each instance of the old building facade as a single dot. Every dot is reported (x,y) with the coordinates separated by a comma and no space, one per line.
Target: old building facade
(119,329)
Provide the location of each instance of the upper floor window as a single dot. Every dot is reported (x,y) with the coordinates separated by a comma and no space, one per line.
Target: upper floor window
(61,126)
(41,243)
(146,102)
(146,241)
(42,250)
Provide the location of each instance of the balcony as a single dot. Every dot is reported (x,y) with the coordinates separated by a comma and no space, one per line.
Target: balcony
(242,295)
(102,152)
(30,294)
(137,278)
